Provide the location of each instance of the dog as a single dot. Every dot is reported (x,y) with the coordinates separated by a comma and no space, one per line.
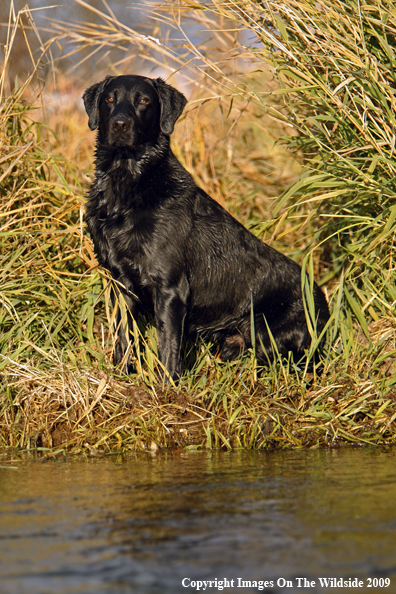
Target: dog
(171,249)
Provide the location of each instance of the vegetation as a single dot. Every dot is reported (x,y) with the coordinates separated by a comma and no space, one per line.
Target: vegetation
(319,75)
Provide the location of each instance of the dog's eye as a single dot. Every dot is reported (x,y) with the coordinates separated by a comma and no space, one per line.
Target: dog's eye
(143,101)
(110,99)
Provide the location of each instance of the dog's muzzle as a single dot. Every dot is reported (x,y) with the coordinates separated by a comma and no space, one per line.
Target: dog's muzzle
(121,131)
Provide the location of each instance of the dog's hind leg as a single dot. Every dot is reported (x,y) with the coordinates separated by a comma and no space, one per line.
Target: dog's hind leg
(288,334)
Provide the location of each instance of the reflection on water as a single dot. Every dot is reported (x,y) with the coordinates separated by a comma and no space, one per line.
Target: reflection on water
(145,524)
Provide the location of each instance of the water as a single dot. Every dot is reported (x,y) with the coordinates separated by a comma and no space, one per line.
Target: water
(144,524)
(75,60)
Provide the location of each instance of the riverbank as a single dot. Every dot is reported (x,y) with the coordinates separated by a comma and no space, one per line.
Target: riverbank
(107,414)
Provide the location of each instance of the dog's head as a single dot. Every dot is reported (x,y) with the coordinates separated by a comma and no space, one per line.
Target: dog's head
(131,110)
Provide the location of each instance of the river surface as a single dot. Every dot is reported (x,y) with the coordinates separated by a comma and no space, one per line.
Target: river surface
(146,523)
(92,63)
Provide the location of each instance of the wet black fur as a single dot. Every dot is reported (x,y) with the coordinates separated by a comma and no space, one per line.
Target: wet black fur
(172,250)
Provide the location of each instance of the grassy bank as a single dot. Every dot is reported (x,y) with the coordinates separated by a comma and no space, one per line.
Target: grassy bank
(325,195)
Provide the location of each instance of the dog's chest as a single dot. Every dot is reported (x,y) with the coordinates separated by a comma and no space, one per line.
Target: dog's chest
(119,226)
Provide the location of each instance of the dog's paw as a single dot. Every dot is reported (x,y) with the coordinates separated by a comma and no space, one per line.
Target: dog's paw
(232,347)
(128,368)
(118,358)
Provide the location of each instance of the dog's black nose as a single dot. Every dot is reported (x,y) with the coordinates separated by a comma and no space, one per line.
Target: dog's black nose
(120,124)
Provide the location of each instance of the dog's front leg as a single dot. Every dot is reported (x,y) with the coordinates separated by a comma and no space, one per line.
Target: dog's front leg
(122,334)
(170,313)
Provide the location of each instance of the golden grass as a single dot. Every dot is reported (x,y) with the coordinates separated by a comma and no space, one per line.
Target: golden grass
(58,389)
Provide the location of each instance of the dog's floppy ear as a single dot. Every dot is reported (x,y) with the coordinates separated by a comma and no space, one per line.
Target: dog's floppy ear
(91,100)
(172,104)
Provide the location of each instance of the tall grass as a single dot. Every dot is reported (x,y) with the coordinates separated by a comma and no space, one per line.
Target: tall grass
(335,65)
(314,70)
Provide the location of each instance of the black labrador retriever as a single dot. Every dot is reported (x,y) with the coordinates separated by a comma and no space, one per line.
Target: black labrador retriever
(171,249)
